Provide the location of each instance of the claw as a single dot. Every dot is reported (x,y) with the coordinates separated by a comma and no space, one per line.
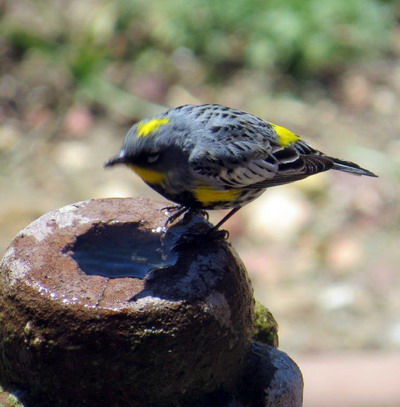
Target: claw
(171,208)
(180,210)
(201,212)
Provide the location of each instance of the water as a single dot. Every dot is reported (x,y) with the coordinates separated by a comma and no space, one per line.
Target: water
(123,250)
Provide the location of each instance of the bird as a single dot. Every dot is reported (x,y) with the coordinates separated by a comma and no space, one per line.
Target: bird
(210,156)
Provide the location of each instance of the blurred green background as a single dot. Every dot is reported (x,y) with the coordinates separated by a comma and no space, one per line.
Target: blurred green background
(323,253)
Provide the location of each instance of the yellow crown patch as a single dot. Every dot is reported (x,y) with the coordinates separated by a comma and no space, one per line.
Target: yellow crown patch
(146,128)
(285,136)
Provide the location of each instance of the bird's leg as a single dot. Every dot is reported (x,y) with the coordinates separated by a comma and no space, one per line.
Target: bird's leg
(223,220)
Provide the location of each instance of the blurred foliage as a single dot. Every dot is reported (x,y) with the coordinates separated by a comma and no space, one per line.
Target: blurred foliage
(300,38)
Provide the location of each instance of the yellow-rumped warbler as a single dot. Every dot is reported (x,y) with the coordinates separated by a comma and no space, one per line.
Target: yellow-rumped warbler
(214,157)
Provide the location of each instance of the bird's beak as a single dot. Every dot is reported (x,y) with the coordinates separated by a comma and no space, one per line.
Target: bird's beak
(119,159)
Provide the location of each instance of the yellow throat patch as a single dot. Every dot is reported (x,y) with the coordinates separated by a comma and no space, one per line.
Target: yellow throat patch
(285,136)
(146,128)
(148,176)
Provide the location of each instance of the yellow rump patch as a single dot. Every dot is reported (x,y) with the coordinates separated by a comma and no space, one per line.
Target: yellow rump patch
(148,176)
(285,136)
(146,128)
(208,196)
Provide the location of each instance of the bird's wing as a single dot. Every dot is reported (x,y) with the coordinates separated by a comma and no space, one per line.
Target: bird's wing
(232,156)
(247,158)
(304,166)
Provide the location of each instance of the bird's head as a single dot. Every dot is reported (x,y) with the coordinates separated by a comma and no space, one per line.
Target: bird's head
(151,144)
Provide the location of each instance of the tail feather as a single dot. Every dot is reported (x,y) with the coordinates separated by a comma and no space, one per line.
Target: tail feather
(347,166)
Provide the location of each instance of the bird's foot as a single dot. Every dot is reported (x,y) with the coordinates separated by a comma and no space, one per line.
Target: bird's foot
(176,211)
(179,210)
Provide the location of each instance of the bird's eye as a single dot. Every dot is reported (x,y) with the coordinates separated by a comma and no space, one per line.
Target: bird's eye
(152,157)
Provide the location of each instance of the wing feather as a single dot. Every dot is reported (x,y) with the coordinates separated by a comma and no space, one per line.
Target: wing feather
(247,154)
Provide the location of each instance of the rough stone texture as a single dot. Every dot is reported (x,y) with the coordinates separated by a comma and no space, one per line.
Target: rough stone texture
(270,379)
(98,334)
(286,386)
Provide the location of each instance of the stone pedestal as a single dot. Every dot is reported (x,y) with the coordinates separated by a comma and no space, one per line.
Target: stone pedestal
(100,305)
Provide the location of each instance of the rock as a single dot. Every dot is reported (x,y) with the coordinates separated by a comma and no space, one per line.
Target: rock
(101,307)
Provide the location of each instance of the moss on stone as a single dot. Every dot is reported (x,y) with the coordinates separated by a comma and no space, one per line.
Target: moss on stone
(265,326)
(8,400)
